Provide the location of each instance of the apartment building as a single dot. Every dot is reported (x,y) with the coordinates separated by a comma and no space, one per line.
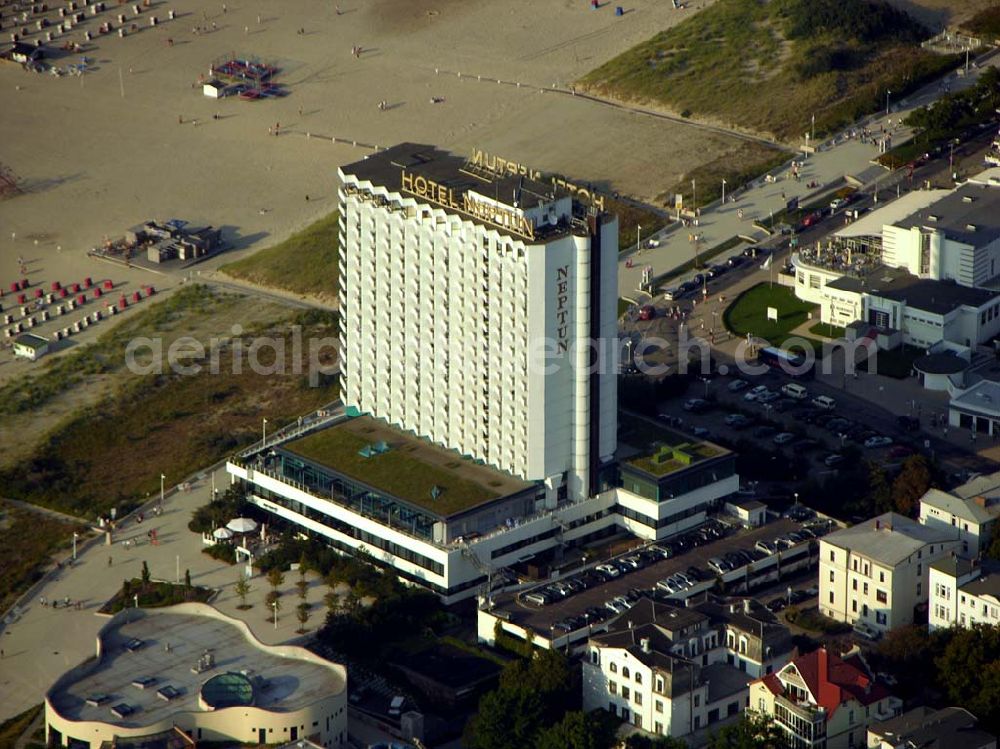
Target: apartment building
(672,671)
(972,509)
(823,701)
(963,592)
(876,572)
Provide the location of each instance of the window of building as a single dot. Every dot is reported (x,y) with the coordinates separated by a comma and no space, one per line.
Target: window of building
(697,700)
(638,698)
(854,584)
(854,606)
(881,617)
(831,596)
(638,678)
(659,684)
(625,692)
(881,596)
(614,668)
(658,706)
(613,687)
(832,574)
(659,728)
(864,589)
(832,558)
(625,672)
(881,576)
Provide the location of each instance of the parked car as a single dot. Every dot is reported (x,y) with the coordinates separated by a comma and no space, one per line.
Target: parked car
(837,203)
(717,270)
(735,261)
(825,402)
(608,570)
(833,460)
(695,405)
(718,565)
(795,390)
(778,604)
(867,632)
(756,393)
(701,433)
(737,421)
(873,442)
(536,599)
(737,385)
(672,294)
(767,547)
(768,397)
(784,438)
(900,451)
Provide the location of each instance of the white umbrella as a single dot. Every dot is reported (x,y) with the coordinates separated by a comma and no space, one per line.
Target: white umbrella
(242,525)
(222,533)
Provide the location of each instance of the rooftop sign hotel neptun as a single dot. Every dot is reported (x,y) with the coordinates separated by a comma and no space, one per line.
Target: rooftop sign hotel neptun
(489,212)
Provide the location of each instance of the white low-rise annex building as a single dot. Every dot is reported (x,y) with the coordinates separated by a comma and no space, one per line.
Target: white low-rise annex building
(192,668)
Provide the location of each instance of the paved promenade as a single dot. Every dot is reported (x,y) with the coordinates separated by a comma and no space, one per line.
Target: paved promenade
(45,642)
(833,161)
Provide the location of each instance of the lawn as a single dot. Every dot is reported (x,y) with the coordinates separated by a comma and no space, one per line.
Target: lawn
(651,438)
(400,471)
(827,330)
(112,455)
(748,313)
(11,730)
(305,263)
(28,540)
(632,215)
(771,66)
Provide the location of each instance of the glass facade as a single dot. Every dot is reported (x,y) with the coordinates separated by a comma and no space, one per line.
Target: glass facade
(679,482)
(354,495)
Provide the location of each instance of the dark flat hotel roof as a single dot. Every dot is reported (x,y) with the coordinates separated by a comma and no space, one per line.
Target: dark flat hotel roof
(938,297)
(970,214)
(386,168)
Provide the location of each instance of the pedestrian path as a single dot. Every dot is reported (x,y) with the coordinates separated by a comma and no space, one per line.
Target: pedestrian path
(46,641)
(830,163)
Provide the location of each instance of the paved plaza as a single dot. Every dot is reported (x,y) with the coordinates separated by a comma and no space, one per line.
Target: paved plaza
(45,641)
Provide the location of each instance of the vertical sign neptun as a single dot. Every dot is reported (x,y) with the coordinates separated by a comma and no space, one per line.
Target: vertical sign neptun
(562,309)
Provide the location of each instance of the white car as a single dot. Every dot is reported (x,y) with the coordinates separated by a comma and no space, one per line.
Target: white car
(837,203)
(872,442)
(608,569)
(756,393)
(784,438)
(737,385)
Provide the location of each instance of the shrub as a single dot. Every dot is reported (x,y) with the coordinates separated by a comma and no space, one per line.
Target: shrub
(223,552)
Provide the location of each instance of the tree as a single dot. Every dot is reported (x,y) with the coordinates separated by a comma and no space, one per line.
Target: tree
(242,589)
(911,484)
(751,732)
(579,730)
(332,601)
(276,578)
(187,579)
(879,489)
(145,573)
(969,670)
(303,585)
(507,719)
(302,614)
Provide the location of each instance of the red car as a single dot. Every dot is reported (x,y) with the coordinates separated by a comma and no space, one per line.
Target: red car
(900,451)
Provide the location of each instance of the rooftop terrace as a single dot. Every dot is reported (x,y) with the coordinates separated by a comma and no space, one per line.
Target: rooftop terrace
(407,467)
(658,450)
(159,650)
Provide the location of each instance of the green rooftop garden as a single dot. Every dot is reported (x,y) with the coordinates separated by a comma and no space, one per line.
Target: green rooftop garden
(661,450)
(405,467)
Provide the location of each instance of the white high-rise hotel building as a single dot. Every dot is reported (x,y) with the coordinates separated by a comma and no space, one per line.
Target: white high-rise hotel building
(478,308)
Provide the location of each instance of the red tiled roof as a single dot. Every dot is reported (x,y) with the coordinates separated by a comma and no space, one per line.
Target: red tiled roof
(834,681)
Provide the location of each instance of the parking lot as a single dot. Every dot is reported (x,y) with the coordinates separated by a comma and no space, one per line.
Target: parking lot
(815,426)
(587,605)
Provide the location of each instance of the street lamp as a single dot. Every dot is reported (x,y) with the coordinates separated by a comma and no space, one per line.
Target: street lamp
(75,534)
(813,130)
(723,192)
(638,230)
(887,92)
(274,605)
(263,441)
(163,478)
(694,194)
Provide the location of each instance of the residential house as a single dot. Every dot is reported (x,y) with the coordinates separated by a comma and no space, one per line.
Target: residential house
(972,509)
(823,701)
(672,671)
(876,572)
(963,592)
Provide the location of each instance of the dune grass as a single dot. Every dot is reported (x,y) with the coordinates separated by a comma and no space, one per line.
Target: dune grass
(306,263)
(770,66)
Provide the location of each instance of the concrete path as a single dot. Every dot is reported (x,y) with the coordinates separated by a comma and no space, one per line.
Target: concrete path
(45,642)
(832,162)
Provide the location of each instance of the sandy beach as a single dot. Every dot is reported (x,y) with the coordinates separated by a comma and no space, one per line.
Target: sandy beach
(100,152)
